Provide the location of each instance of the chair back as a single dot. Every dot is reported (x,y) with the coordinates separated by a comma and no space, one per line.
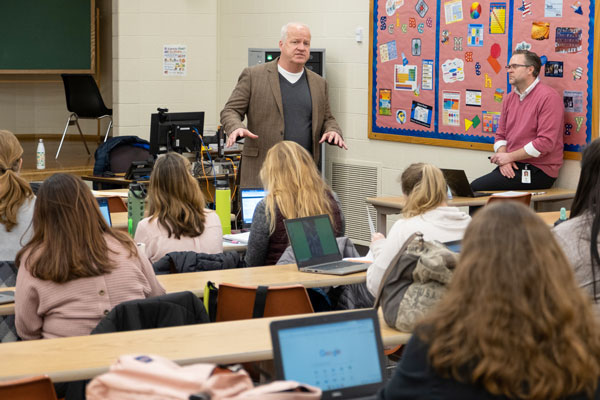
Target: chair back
(524,198)
(122,156)
(235,302)
(37,387)
(83,96)
(173,309)
(8,277)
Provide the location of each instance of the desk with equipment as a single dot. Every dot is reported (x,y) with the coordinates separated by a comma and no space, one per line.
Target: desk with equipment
(83,357)
(275,275)
(393,205)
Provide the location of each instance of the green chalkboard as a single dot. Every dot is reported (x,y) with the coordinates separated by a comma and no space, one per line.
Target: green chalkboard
(47,36)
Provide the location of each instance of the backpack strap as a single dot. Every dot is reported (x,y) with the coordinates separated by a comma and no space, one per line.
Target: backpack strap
(394,261)
(260,301)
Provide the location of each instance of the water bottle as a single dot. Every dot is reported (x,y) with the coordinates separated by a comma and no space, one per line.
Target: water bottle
(562,217)
(449,192)
(136,201)
(41,155)
(223,204)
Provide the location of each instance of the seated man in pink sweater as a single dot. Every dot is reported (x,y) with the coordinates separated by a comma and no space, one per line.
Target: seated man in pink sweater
(529,139)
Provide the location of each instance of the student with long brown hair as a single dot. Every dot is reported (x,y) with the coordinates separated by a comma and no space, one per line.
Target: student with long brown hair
(513,324)
(177,218)
(295,189)
(16,198)
(426,211)
(75,268)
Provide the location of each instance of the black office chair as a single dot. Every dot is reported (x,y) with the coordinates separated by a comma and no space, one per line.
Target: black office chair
(83,101)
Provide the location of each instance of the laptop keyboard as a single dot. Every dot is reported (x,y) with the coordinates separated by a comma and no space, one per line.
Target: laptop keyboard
(338,264)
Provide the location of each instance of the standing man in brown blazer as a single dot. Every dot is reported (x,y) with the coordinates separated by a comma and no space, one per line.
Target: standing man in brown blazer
(282,101)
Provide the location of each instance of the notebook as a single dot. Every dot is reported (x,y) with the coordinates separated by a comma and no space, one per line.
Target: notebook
(341,353)
(315,248)
(250,197)
(459,184)
(103,204)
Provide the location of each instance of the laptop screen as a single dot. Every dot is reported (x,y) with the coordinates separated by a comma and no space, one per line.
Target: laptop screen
(249,199)
(344,352)
(312,240)
(103,204)
(454,245)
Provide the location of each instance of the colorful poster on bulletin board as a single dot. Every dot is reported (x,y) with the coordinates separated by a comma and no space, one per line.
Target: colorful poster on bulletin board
(437,71)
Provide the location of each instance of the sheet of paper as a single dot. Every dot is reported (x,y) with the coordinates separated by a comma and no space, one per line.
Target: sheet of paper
(498,18)
(451,108)
(453,11)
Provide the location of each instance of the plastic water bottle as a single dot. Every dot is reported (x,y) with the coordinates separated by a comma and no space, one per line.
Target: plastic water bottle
(41,155)
(223,204)
(562,217)
(136,202)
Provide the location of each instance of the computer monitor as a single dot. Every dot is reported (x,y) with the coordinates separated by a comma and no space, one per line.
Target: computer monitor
(175,132)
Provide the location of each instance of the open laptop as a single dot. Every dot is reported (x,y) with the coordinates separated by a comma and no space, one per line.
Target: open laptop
(316,249)
(250,197)
(459,184)
(103,204)
(341,353)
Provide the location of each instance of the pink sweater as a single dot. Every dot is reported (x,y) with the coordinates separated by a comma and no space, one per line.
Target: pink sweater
(538,119)
(46,309)
(158,244)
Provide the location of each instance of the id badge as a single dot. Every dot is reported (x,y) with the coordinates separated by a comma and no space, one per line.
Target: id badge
(525,175)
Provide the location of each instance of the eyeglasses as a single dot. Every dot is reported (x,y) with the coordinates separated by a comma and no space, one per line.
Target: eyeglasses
(515,66)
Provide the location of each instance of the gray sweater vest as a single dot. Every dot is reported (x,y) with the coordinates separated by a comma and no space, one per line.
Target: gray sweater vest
(297,111)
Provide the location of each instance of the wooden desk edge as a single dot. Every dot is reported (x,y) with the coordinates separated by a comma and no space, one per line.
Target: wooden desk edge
(325,280)
(390,337)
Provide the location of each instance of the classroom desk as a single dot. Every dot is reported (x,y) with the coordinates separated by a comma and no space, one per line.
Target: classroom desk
(277,275)
(207,183)
(119,221)
(83,357)
(393,205)
(550,217)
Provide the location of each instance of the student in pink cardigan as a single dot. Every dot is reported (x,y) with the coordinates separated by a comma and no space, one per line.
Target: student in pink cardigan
(529,140)
(75,268)
(178,220)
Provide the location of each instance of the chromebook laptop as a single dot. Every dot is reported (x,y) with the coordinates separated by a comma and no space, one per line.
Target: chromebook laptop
(103,204)
(459,184)
(250,197)
(341,353)
(316,249)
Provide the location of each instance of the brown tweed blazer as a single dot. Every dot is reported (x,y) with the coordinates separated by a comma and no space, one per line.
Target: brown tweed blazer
(257,95)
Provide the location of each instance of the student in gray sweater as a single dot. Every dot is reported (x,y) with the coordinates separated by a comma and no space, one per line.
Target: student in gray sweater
(16,199)
(578,236)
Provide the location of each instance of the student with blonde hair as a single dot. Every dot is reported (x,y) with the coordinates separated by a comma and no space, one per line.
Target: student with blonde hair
(426,211)
(16,198)
(75,268)
(178,220)
(512,325)
(295,189)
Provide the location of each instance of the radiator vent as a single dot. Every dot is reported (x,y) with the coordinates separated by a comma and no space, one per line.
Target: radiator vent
(353,183)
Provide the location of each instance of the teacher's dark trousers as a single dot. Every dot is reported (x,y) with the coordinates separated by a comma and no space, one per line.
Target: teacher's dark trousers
(496,181)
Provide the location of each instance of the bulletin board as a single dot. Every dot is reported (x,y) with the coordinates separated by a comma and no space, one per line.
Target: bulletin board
(437,67)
